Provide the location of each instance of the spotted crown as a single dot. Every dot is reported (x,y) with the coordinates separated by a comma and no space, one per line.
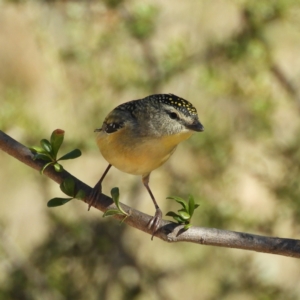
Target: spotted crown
(180,104)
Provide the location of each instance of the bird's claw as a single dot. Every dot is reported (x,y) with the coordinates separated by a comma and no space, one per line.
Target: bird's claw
(155,221)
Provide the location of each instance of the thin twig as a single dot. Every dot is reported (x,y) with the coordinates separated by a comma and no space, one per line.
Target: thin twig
(169,231)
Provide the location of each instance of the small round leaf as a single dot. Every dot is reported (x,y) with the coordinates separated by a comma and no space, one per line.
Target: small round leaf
(80,195)
(68,186)
(58,167)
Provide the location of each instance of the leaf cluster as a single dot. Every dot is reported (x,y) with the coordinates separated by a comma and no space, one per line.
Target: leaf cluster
(48,152)
(184,214)
(115,211)
(69,188)
(49,149)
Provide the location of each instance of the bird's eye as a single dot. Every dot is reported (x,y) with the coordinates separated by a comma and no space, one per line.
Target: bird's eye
(173,115)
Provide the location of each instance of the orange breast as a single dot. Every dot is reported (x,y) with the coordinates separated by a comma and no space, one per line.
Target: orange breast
(138,156)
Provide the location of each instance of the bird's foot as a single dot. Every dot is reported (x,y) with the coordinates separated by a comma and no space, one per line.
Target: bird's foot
(155,221)
(94,195)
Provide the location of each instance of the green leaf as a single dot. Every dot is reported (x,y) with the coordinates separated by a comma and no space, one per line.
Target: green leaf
(80,195)
(37,149)
(58,167)
(45,166)
(175,216)
(116,197)
(42,156)
(40,153)
(184,215)
(71,155)
(111,212)
(191,205)
(68,186)
(179,220)
(180,201)
(187,226)
(46,146)
(58,201)
(115,194)
(56,140)
(172,214)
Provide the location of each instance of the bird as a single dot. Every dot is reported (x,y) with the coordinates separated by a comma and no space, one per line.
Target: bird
(139,136)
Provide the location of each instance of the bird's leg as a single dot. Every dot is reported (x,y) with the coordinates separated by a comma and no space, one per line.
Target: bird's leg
(156,219)
(96,191)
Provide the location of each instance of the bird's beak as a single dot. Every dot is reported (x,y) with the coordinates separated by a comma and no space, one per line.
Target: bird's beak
(97,129)
(196,126)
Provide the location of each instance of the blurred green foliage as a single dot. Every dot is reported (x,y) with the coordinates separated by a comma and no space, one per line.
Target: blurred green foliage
(97,52)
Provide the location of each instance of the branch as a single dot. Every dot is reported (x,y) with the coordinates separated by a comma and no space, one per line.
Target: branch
(169,231)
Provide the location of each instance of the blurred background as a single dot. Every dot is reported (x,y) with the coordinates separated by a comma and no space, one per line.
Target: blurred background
(66,64)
